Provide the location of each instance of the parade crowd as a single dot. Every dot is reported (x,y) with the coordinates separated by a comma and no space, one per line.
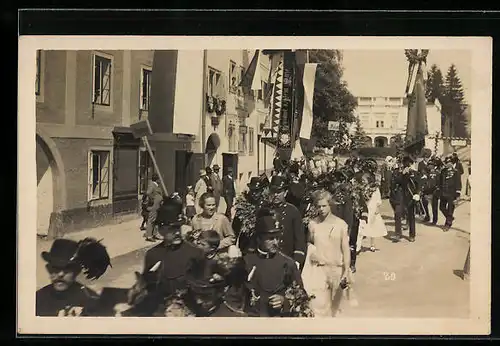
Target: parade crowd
(285,247)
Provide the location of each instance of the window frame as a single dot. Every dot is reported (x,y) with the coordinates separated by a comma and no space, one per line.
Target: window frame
(39,75)
(242,140)
(232,69)
(144,69)
(100,55)
(214,84)
(101,195)
(251,140)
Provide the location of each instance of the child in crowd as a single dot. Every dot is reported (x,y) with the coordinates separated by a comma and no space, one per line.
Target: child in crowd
(209,242)
(190,207)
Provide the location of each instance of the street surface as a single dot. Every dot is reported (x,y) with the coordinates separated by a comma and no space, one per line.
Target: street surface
(416,280)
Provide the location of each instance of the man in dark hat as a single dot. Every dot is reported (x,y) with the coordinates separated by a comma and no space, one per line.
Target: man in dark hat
(65,296)
(405,193)
(297,188)
(207,284)
(155,196)
(270,271)
(228,191)
(170,258)
(450,187)
(216,184)
(293,241)
(423,168)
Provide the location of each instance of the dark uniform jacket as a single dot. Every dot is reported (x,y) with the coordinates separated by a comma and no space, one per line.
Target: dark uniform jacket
(295,195)
(404,186)
(293,240)
(49,302)
(174,265)
(347,213)
(450,182)
(269,278)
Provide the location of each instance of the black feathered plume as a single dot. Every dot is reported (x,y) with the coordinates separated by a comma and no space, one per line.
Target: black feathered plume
(93,257)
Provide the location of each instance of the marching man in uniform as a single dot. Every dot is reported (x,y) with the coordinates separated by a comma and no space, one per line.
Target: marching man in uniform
(293,241)
(450,187)
(65,296)
(270,271)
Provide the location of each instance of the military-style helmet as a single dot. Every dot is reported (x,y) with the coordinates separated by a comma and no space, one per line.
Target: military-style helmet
(278,183)
(266,222)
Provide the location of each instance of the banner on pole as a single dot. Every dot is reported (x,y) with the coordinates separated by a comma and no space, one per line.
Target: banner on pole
(309,79)
(286,116)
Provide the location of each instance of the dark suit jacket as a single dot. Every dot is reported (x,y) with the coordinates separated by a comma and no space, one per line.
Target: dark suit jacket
(155,195)
(228,190)
(216,184)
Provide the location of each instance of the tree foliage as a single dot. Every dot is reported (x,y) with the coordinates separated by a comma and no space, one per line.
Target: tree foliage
(358,139)
(332,99)
(434,88)
(454,104)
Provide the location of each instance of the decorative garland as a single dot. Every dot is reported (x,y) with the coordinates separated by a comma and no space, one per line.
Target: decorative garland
(414,57)
(299,301)
(176,307)
(246,210)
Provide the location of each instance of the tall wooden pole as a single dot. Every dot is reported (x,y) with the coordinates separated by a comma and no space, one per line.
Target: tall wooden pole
(155,164)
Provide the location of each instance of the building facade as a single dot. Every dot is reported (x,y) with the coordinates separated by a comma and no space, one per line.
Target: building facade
(89,167)
(384,118)
(196,96)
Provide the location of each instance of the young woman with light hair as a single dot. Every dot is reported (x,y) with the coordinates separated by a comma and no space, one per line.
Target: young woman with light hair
(328,258)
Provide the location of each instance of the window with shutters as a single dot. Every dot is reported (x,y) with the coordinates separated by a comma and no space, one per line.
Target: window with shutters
(145,88)
(98,182)
(232,136)
(146,169)
(242,140)
(233,77)
(395,121)
(101,87)
(215,83)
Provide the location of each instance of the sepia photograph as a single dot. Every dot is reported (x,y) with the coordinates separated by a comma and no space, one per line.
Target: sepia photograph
(301,178)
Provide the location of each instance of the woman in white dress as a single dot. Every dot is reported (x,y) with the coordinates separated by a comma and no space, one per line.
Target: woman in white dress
(328,258)
(375,227)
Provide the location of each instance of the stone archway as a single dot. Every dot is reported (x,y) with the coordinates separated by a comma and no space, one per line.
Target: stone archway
(213,144)
(51,188)
(380,142)
(367,141)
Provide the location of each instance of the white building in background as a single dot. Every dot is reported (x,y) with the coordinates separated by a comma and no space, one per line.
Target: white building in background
(384,117)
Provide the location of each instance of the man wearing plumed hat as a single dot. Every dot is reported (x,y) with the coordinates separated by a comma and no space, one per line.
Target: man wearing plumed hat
(65,296)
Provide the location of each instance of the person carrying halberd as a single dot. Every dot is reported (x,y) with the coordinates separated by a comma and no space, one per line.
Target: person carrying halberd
(273,277)
(65,296)
(293,242)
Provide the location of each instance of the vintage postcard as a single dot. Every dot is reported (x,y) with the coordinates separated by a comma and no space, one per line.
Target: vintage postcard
(323,180)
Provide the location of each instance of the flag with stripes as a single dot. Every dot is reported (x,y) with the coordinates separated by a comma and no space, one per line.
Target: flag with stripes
(252,77)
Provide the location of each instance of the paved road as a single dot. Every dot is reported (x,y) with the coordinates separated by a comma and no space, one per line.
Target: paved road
(418,279)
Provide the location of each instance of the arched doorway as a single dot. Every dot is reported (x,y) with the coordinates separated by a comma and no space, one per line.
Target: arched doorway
(367,141)
(213,144)
(380,142)
(45,186)
(51,185)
